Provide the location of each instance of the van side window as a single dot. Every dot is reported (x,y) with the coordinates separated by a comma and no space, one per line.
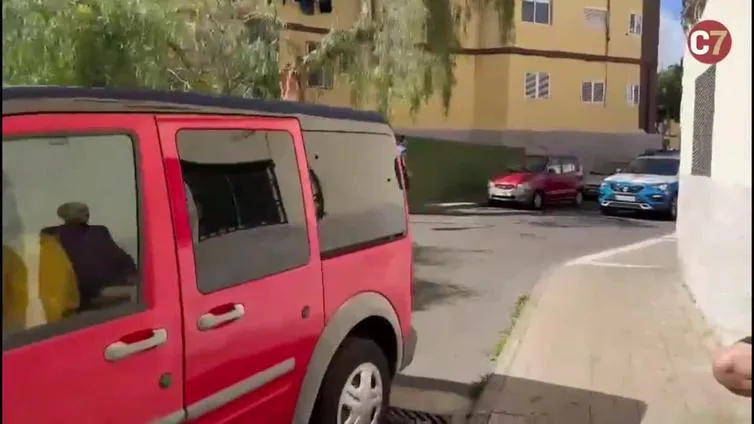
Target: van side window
(364,201)
(70,233)
(247,194)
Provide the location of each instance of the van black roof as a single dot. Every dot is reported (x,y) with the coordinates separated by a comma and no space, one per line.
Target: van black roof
(92,99)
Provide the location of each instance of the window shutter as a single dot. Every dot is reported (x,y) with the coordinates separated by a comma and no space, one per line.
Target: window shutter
(530,85)
(543,86)
(595,18)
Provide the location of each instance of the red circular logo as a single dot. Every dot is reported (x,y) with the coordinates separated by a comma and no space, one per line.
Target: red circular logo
(709,42)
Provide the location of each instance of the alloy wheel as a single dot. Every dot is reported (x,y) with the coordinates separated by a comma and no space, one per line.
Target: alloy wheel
(361,398)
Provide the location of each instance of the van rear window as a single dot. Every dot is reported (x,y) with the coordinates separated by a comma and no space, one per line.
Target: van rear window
(362,203)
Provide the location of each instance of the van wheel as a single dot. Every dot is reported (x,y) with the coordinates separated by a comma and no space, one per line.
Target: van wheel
(356,387)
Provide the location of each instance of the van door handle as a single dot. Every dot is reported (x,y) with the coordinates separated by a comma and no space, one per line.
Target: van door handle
(124,348)
(212,320)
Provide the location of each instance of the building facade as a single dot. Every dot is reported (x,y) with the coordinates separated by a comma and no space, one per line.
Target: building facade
(576,65)
(714,215)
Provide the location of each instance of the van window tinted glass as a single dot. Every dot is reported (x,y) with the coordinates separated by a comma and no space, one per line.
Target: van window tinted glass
(70,231)
(362,196)
(247,194)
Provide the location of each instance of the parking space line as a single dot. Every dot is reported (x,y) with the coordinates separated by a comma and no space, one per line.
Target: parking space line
(617,250)
(619,265)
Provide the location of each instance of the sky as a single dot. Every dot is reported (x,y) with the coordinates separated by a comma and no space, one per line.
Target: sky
(672,38)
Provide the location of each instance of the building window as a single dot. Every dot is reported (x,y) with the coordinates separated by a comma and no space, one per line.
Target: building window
(537,85)
(635,24)
(593,91)
(537,11)
(322,76)
(595,18)
(632,94)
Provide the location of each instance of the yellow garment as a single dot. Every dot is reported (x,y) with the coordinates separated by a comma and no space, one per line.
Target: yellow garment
(15,291)
(58,288)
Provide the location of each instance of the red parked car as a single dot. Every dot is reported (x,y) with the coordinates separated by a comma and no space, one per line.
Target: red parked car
(541,180)
(174,257)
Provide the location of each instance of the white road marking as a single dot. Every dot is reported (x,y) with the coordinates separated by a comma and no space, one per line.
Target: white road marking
(453,204)
(614,251)
(619,265)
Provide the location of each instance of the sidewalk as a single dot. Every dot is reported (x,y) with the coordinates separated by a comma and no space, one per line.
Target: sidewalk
(610,339)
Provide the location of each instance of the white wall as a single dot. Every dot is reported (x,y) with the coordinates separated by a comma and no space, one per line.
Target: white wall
(714,219)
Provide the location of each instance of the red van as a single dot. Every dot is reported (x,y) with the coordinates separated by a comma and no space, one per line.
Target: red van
(541,180)
(175,257)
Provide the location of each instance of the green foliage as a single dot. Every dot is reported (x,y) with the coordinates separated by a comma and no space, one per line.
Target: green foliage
(670,89)
(451,171)
(691,12)
(118,43)
(398,51)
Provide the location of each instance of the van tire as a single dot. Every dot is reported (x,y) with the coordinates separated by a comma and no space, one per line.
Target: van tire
(353,353)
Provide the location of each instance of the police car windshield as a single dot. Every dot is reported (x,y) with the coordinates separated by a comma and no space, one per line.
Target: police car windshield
(653,166)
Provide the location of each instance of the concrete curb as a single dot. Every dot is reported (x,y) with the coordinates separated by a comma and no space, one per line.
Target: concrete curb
(485,405)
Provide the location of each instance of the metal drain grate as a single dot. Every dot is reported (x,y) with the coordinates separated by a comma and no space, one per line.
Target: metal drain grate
(395,415)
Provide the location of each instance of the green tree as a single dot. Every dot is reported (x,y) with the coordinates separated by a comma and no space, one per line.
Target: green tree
(398,51)
(691,12)
(670,89)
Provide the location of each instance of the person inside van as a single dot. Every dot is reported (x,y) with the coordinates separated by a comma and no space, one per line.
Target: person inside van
(97,260)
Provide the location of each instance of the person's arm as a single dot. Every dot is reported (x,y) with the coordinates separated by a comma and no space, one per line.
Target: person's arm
(732,367)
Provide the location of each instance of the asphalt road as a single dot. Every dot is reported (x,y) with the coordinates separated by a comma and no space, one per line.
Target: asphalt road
(472,264)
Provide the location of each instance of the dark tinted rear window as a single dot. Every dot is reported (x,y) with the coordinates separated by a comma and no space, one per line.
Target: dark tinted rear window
(361,198)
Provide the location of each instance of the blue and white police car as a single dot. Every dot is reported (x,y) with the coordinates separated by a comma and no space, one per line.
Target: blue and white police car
(649,184)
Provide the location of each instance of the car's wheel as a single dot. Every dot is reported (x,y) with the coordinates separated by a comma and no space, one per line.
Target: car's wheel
(492,203)
(673,210)
(579,199)
(356,387)
(607,211)
(537,201)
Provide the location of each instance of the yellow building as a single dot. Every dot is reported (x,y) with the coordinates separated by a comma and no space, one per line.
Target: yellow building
(571,65)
